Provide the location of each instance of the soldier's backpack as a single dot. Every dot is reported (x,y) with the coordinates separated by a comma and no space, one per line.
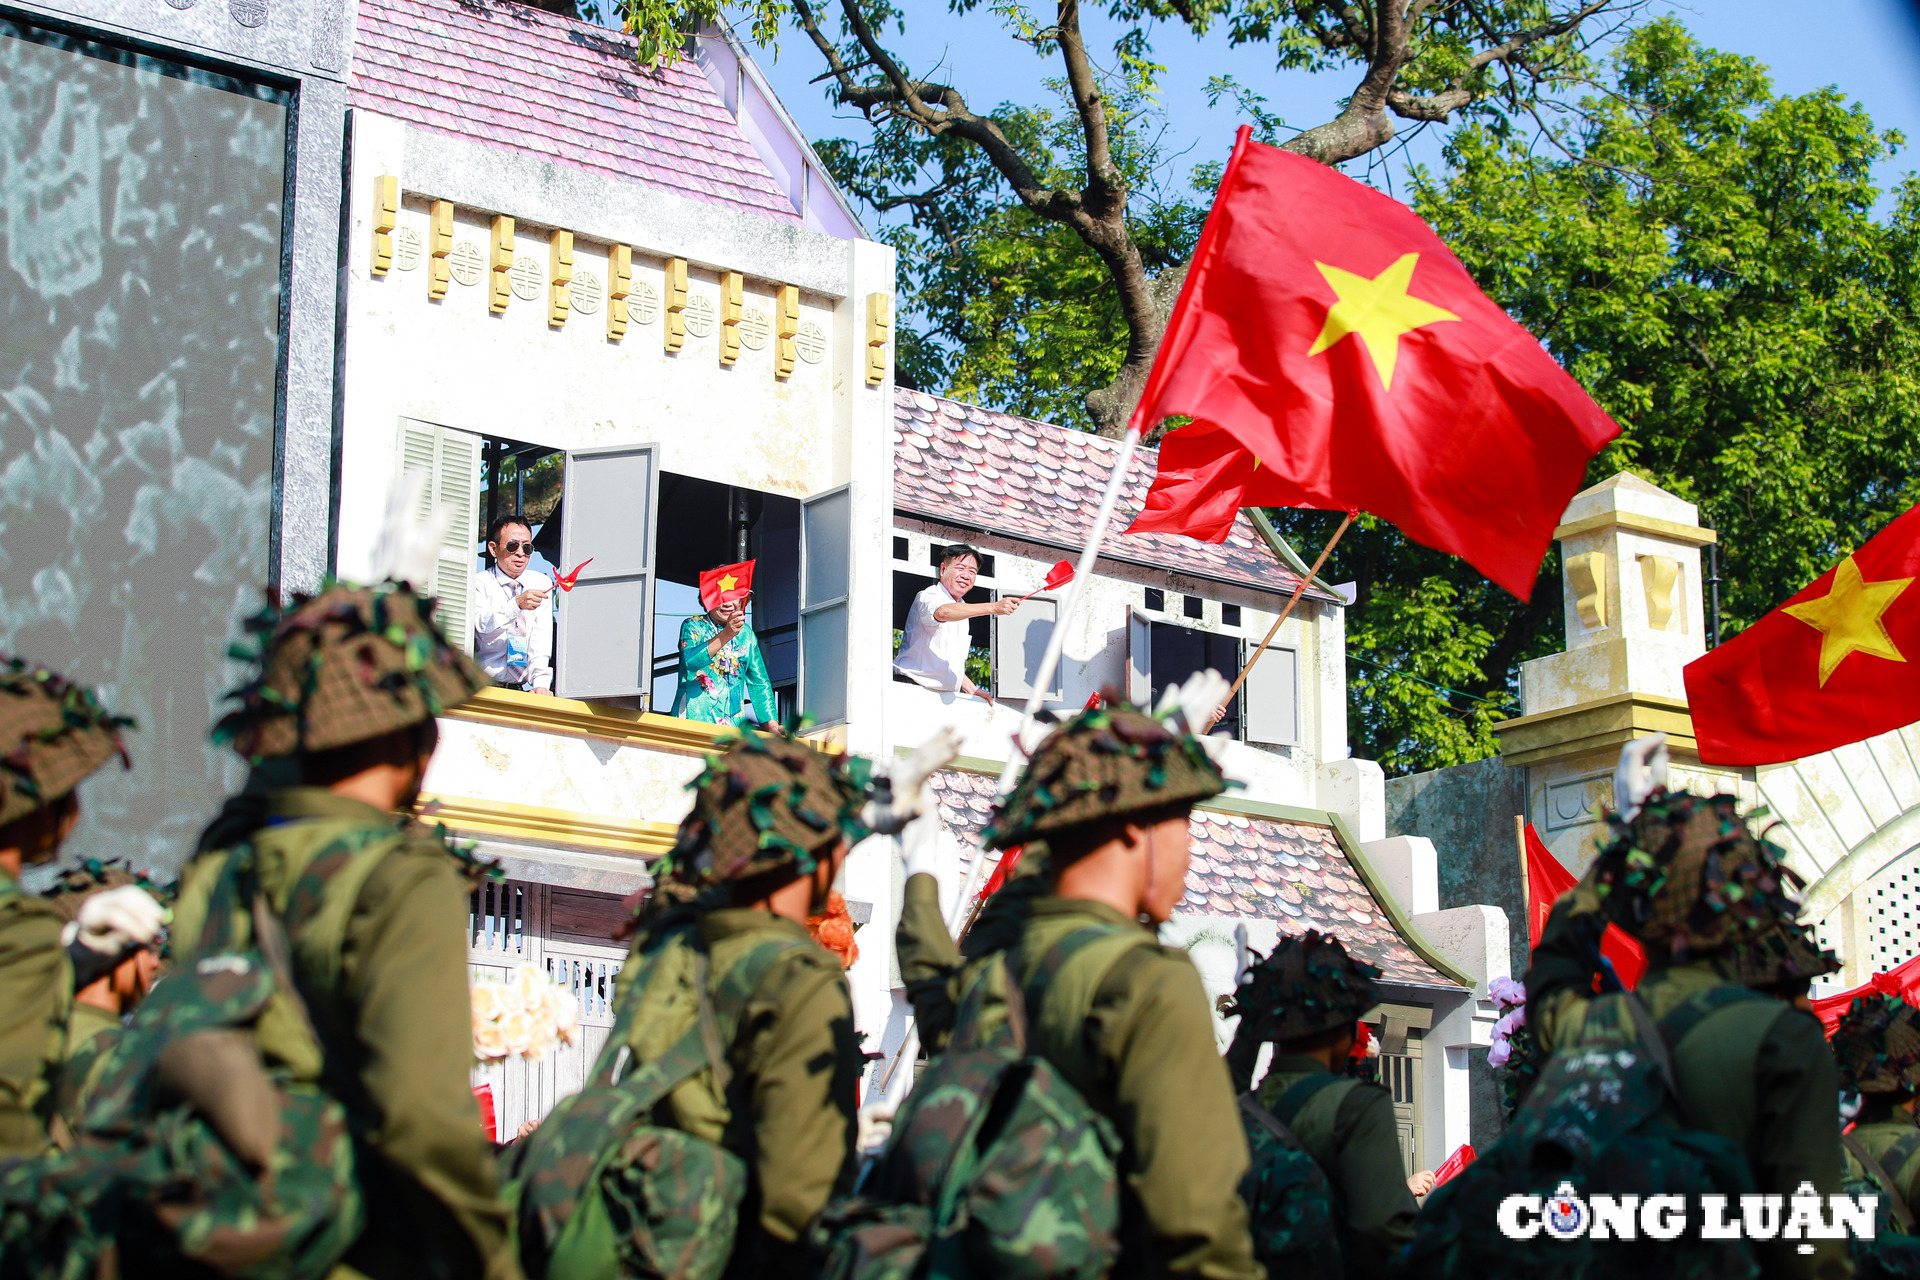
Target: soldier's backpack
(210,1144)
(1293,1211)
(997,1166)
(1894,1251)
(599,1191)
(1603,1118)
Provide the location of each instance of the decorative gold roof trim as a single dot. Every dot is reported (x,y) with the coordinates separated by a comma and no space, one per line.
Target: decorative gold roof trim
(1691,534)
(1602,725)
(465,815)
(514,709)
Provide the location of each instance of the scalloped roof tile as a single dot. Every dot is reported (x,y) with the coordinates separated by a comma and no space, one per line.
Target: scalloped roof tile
(570,92)
(973,468)
(1292,873)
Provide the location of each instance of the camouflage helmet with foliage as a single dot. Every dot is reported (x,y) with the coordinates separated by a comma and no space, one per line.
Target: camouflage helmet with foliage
(1309,984)
(53,734)
(1106,762)
(76,884)
(1687,878)
(1877,1045)
(344,666)
(768,804)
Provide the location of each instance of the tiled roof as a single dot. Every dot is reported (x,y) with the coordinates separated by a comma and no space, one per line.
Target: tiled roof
(514,77)
(1292,873)
(962,465)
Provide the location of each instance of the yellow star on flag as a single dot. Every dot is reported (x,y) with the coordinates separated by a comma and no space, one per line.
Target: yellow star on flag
(727,582)
(1848,617)
(1379,310)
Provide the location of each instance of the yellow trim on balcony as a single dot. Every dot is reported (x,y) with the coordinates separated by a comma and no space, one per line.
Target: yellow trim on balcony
(1691,534)
(517,710)
(467,816)
(1601,725)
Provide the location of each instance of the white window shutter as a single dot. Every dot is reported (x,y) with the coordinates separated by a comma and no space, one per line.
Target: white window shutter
(1020,641)
(603,647)
(1139,658)
(451,461)
(1272,692)
(826,545)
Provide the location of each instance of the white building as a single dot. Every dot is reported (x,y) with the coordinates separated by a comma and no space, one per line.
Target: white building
(550,251)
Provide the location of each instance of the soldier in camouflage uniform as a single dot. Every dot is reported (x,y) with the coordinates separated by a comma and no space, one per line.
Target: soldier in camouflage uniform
(1877,1045)
(54,734)
(1711,906)
(375,905)
(95,1023)
(771,824)
(1306,1000)
(1102,809)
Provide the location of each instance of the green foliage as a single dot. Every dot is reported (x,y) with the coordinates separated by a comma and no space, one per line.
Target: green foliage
(661,27)
(1010,309)
(1704,257)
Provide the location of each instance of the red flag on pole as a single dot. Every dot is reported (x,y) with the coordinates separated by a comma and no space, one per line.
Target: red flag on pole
(728,582)
(1334,336)
(1546,881)
(1204,477)
(1828,667)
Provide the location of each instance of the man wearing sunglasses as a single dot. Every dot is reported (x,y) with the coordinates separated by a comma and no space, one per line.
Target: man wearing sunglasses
(512,621)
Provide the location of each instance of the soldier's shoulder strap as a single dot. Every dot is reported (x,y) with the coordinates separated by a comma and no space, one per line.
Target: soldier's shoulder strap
(1896,1200)
(1296,1096)
(1679,1021)
(1066,978)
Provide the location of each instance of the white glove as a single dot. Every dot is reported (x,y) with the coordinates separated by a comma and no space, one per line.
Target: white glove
(875,1126)
(1192,704)
(1641,772)
(905,794)
(920,842)
(111,924)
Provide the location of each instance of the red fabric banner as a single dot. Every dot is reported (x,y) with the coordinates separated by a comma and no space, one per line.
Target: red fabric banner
(1833,665)
(1337,339)
(1902,980)
(1546,881)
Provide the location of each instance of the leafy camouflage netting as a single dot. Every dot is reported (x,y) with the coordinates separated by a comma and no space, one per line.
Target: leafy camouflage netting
(1103,763)
(1878,1046)
(54,734)
(1308,985)
(1688,879)
(347,665)
(769,802)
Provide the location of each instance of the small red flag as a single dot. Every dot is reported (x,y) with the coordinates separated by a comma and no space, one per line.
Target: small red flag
(566,580)
(1463,1155)
(483,1095)
(1546,881)
(1901,980)
(1332,333)
(1831,666)
(728,582)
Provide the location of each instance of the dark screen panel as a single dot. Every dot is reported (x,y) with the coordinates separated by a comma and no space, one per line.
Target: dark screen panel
(141,209)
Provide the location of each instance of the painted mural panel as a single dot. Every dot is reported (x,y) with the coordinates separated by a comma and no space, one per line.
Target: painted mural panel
(140,295)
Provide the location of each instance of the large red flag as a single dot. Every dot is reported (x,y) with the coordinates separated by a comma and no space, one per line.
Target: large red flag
(1833,665)
(1546,881)
(1203,479)
(1329,329)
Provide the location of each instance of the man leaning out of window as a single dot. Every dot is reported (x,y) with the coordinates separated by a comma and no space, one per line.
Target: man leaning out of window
(512,619)
(933,649)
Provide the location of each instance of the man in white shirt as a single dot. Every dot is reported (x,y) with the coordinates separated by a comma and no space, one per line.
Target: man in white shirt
(933,649)
(512,622)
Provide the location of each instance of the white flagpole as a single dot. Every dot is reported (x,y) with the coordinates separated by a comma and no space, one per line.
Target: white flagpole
(1050,661)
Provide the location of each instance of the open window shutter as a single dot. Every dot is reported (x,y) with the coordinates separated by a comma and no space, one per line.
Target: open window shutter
(1020,641)
(1139,658)
(604,645)
(1272,694)
(826,544)
(451,461)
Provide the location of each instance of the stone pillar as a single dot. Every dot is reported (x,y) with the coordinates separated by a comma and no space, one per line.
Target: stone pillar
(1631,572)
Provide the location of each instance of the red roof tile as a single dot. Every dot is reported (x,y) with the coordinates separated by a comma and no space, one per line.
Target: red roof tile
(509,76)
(962,465)
(1292,873)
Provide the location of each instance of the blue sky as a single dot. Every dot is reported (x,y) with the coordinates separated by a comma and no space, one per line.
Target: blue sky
(1869,48)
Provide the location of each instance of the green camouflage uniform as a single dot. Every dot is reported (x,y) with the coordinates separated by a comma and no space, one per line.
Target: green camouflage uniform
(54,735)
(766,811)
(1709,904)
(1308,985)
(1877,1047)
(1146,1057)
(384,976)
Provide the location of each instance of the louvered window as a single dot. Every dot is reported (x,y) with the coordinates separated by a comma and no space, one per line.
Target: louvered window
(451,461)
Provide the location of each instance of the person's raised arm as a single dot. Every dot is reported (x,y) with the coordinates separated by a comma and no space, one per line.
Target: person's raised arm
(960,609)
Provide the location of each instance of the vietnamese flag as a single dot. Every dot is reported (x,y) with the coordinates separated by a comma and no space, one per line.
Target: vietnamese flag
(728,582)
(1205,476)
(1832,665)
(1546,881)
(1333,334)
